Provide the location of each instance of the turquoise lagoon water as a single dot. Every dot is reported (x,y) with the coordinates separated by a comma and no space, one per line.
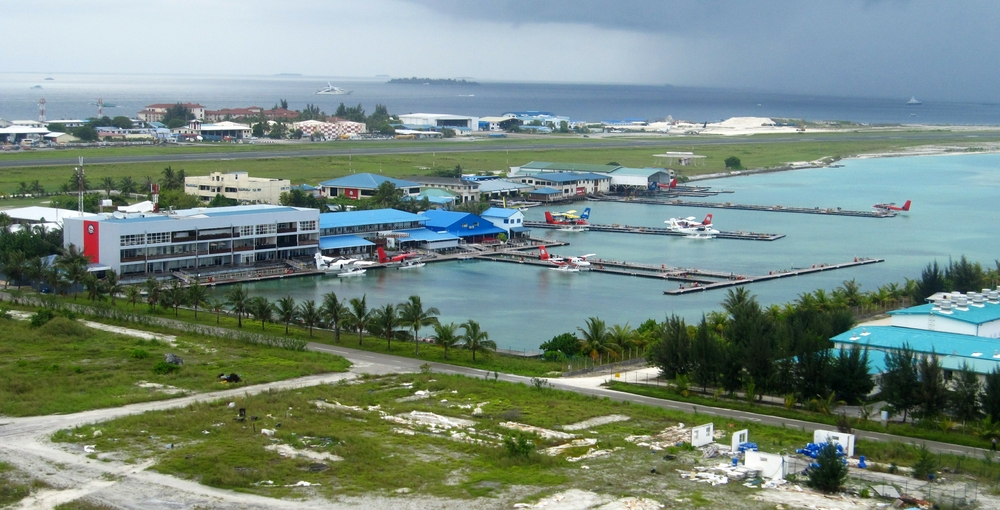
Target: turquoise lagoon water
(956,210)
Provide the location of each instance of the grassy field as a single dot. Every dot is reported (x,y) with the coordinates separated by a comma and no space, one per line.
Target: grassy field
(16,485)
(315,169)
(382,456)
(65,367)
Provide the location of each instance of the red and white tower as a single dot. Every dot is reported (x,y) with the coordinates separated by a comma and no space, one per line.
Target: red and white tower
(41,110)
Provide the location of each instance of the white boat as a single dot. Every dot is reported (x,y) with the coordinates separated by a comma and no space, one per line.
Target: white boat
(412,265)
(333,91)
(573,228)
(913,101)
(354,271)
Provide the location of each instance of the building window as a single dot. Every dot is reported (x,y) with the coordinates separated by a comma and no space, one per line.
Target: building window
(133,239)
(267,229)
(158,238)
(307,225)
(246,230)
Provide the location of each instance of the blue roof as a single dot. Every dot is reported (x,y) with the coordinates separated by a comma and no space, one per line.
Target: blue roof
(953,348)
(569,176)
(460,224)
(975,315)
(422,234)
(500,185)
(547,191)
(499,212)
(367,181)
(344,241)
(305,187)
(368,217)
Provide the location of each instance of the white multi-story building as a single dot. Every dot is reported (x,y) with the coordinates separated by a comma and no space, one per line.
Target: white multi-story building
(195,239)
(440,121)
(155,112)
(237,186)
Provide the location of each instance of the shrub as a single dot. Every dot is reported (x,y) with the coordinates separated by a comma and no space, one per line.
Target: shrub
(139,354)
(554,356)
(164,368)
(518,446)
(63,327)
(926,464)
(41,317)
(829,471)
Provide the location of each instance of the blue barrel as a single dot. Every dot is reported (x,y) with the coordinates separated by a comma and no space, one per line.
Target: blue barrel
(736,461)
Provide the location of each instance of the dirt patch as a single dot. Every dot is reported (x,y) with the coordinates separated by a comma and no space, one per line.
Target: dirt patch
(585,500)
(287,451)
(162,388)
(539,431)
(138,333)
(598,421)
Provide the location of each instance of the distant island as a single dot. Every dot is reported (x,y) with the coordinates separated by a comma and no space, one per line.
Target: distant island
(430,81)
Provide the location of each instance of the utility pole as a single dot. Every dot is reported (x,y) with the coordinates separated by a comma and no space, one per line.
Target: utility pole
(80,188)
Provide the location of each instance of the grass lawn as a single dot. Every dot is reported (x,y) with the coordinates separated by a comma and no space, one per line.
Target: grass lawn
(383,457)
(312,170)
(65,367)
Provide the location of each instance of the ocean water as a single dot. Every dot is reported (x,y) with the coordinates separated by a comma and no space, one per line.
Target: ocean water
(954,212)
(69,96)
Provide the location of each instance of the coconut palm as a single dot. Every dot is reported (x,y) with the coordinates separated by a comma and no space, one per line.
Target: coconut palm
(334,312)
(217,305)
(359,316)
(285,308)
(112,285)
(133,294)
(595,341)
(413,316)
(14,268)
(475,339)
(34,269)
(446,335)
(197,294)
(261,309)
(108,184)
(238,299)
(175,296)
(127,185)
(74,263)
(622,336)
(384,323)
(52,275)
(310,315)
(152,287)
(95,290)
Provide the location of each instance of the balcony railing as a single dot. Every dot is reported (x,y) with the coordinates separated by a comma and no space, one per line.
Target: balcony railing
(242,248)
(307,242)
(286,230)
(206,237)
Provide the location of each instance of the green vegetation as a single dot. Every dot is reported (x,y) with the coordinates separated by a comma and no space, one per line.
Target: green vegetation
(62,366)
(830,471)
(15,485)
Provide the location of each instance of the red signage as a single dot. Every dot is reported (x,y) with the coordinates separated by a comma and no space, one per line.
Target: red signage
(581,191)
(92,240)
(351,193)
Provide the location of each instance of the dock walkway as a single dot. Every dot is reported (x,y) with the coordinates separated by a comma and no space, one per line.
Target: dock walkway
(660,231)
(748,207)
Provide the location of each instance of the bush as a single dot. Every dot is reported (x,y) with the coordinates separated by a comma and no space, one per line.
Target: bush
(41,317)
(518,446)
(926,464)
(139,354)
(554,356)
(164,368)
(829,472)
(63,327)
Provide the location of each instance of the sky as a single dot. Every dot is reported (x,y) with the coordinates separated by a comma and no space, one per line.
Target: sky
(869,48)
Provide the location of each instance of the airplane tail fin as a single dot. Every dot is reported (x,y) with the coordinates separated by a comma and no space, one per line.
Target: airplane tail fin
(707,220)
(382,258)
(549,218)
(906,206)
(673,183)
(586,214)
(543,253)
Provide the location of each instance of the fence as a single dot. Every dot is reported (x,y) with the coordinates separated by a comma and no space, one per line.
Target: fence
(601,368)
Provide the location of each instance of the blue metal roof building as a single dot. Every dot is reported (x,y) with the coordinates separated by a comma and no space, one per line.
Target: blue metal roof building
(374,220)
(982,355)
(364,185)
(467,226)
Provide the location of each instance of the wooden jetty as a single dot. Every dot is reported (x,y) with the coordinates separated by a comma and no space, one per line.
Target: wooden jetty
(743,280)
(661,231)
(749,207)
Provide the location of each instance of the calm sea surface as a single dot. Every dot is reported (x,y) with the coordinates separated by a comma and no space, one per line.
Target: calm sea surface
(955,212)
(69,96)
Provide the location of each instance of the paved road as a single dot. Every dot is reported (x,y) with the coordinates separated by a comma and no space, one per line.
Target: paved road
(483,146)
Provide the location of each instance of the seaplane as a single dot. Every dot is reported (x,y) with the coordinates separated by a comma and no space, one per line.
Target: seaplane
(395,259)
(352,271)
(693,229)
(891,207)
(567,217)
(571,264)
(330,264)
(653,186)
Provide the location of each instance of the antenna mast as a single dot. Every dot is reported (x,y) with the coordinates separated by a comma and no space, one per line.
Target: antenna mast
(80,184)
(41,110)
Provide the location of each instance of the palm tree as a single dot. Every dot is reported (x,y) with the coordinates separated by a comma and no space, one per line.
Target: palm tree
(310,315)
(238,299)
(52,275)
(127,185)
(413,315)
(108,184)
(475,339)
(359,316)
(133,294)
(14,268)
(595,341)
(286,310)
(217,305)
(93,286)
(74,263)
(446,335)
(196,296)
(112,285)
(261,309)
(176,296)
(622,336)
(384,323)
(334,311)
(152,288)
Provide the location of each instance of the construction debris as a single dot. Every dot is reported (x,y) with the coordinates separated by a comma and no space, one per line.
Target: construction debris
(593,454)
(173,359)
(540,432)
(576,443)
(595,422)
(886,491)
(287,451)
(434,421)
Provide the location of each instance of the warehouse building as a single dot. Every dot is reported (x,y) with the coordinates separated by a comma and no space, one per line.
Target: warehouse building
(440,121)
(359,233)
(357,186)
(195,239)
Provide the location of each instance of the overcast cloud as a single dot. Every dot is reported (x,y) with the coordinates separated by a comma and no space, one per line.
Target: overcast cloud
(935,50)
